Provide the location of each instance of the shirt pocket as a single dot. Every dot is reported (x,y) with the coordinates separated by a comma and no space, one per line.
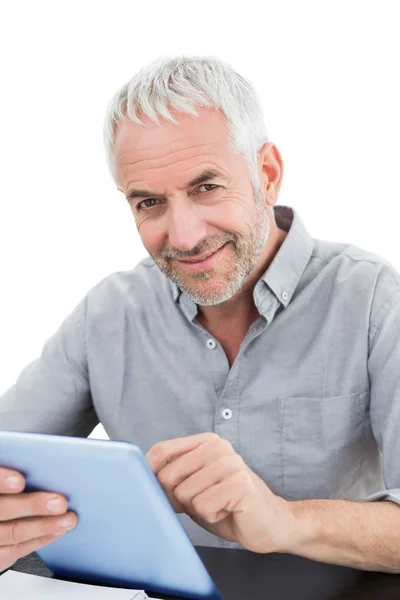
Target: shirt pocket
(321,444)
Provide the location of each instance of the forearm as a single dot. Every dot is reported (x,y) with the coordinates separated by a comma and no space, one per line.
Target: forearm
(363,535)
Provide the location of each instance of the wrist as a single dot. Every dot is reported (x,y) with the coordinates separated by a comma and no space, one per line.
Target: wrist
(305,525)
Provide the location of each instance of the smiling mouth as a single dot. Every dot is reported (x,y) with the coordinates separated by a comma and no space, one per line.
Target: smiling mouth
(205,262)
(198,260)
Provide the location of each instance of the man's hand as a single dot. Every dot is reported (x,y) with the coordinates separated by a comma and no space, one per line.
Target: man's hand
(204,477)
(27,520)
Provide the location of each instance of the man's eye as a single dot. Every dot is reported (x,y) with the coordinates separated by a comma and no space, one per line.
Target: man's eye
(139,205)
(207,185)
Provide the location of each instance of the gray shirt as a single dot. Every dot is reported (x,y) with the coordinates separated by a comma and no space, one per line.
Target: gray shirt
(311,403)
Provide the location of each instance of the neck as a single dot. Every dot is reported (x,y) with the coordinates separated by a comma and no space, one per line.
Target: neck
(241,308)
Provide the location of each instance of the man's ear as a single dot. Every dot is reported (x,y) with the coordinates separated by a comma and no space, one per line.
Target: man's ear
(270,171)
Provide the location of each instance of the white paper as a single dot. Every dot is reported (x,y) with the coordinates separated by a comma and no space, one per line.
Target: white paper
(21,586)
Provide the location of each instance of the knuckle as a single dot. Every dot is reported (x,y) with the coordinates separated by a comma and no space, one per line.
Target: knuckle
(44,526)
(226,445)
(238,461)
(158,451)
(202,508)
(222,447)
(35,503)
(232,463)
(243,478)
(164,478)
(13,532)
(220,444)
(212,437)
(198,505)
(181,495)
(47,526)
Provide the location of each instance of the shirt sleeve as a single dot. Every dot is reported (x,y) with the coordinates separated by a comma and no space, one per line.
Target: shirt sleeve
(52,393)
(384,374)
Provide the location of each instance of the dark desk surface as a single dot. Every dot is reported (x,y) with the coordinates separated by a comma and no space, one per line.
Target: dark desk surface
(242,575)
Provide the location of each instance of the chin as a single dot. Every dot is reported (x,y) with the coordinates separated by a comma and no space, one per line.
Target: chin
(218,295)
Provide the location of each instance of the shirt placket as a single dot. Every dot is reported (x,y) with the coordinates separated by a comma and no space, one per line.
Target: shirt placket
(227,383)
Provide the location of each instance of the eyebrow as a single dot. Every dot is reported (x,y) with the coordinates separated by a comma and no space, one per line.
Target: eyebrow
(204,176)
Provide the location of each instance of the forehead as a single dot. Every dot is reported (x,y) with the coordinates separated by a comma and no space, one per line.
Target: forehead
(194,136)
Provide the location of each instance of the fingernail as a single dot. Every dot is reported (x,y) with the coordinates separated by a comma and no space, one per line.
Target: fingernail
(55,505)
(67,522)
(13,482)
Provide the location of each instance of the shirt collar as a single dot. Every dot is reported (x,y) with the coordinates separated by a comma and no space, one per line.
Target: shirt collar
(284,272)
(289,263)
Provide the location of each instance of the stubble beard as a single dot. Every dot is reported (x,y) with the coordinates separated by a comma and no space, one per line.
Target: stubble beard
(247,250)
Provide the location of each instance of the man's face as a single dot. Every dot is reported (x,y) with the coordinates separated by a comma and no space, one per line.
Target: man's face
(179,223)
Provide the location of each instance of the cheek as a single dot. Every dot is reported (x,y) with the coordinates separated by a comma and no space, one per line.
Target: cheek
(231,217)
(152,236)
(225,216)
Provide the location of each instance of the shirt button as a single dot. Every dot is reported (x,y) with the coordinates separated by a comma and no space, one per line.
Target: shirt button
(285,295)
(211,344)
(227,413)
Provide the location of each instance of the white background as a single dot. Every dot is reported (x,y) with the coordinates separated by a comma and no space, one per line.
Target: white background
(327,74)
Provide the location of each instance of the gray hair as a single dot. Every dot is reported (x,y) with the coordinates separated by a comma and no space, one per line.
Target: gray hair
(181,82)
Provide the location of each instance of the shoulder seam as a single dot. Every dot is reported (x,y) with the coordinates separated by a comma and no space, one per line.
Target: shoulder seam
(382,263)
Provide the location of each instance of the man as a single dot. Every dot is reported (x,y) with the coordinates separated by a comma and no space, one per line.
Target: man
(256,366)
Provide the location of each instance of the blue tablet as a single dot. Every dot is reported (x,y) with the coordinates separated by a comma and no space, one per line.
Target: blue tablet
(128,534)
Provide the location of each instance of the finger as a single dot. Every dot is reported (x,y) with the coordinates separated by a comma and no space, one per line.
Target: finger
(10,554)
(11,482)
(22,530)
(163,452)
(209,476)
(197,461)
(231,495)
(31,504)
(177,506)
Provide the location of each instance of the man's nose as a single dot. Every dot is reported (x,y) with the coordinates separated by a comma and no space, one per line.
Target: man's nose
(186,227)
